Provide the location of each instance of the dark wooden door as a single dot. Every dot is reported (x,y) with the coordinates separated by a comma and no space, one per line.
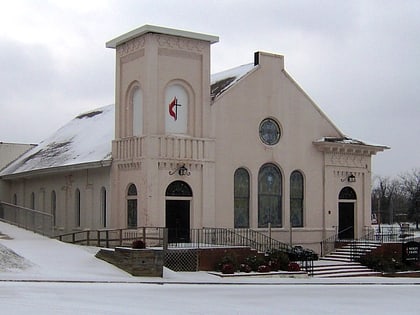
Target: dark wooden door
(178,221)
(346,220)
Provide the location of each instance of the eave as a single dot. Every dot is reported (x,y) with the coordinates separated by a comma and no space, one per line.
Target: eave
(349,148)
(58,169)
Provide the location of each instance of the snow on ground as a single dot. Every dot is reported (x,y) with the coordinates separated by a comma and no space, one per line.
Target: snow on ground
(45,276)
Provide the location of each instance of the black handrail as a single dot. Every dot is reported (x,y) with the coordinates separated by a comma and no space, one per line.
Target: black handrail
(329,244)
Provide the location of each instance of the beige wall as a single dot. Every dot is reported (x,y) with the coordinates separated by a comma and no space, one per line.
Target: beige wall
(8,153)
(269,92)
(89,182)
(153,62)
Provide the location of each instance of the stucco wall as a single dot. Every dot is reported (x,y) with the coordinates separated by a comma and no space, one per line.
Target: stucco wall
(269,92)
(89,182)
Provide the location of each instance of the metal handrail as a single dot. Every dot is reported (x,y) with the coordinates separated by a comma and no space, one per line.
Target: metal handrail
(328,245)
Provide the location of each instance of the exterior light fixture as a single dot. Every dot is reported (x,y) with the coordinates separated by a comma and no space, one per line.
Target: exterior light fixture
(351,178)
(181,170)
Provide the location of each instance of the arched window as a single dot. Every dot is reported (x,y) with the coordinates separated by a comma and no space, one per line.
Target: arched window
(132,206)
(179,188)
(296,199)
(137,103)
(103,206)
(77,205)
(347,193)
(241,198)
(54,207)
(176,109)
(32,201)
(269,196)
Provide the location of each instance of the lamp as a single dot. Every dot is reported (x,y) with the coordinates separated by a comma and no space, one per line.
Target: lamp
(181,170)
(351,178)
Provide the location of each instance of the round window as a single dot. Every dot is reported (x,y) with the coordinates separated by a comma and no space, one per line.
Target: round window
(269,131)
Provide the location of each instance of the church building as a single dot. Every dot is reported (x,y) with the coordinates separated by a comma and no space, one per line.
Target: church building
(183,149)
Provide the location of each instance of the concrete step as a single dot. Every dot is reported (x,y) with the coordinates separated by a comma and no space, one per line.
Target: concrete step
(339,263)
(350,274)
(332,269)
(337,258)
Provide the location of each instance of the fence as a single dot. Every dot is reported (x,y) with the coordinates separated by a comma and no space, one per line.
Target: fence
(110,238)
(33,220)
(389,234)
(209,237)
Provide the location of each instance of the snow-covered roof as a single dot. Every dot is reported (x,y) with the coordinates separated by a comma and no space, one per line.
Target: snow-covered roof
(349,144)
(222,81)
(85,139)
(347,140)
(88,138)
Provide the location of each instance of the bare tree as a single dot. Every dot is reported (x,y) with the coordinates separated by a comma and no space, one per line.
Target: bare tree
(383,196)
(410,186)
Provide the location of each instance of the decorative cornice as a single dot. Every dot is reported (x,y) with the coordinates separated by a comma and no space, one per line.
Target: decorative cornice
(346,148)
(181,43)
(129,166)
(347,160)
(131,46)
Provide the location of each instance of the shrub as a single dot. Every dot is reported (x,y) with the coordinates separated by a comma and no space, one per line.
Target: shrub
(264,268)
(226,260)
(279,259)
(293,267)
(274,265)
(138,244)
(245,268)
(228,268)
(382,263)
(254,262)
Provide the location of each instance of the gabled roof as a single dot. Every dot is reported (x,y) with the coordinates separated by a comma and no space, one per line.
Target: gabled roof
(222,81)
(84,140)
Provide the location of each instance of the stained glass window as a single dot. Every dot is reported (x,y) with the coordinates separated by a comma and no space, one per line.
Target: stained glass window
(269,131)
(179,188)
(241,198)
(296,199)
(347,193)
(132,206)
(269,196)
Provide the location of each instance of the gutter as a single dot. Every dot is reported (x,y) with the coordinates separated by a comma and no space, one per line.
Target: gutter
(58,169)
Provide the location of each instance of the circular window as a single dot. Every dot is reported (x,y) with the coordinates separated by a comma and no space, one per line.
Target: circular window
(269,131)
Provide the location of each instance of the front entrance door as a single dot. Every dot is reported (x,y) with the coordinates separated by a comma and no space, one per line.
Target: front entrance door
(346,220)
(178,221)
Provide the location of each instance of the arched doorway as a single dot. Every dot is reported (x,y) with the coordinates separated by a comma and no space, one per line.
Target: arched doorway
(347,199)
(178,198)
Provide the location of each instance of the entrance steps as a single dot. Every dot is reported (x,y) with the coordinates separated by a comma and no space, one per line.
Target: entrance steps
(340,263)
(331,269)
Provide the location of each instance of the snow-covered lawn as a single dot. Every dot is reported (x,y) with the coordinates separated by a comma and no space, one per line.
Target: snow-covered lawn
(43,276)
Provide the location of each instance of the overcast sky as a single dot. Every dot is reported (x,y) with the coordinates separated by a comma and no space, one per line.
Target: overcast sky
(358,60)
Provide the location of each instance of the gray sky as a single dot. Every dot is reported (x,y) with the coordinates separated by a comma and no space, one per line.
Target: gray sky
(358,60)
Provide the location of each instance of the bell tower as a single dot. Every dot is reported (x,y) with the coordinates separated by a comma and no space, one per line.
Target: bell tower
(162,120)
